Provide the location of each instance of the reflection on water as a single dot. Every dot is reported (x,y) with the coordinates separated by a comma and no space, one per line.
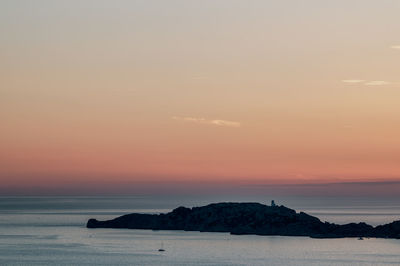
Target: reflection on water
(51,231)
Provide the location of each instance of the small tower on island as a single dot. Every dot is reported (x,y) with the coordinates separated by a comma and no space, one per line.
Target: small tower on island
(273,203)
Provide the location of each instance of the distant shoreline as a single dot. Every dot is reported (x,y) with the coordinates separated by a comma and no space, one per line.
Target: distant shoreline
(247,219)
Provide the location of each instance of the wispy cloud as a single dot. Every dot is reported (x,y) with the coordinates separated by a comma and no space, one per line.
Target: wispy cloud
(216,122)
(395,47)
(353,80)
(225,123)
(376,83)
(367,82)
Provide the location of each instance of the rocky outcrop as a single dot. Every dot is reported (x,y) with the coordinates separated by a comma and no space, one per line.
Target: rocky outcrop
(247,218)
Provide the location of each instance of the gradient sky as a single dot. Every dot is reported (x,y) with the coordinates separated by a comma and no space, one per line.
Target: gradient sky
(159,91)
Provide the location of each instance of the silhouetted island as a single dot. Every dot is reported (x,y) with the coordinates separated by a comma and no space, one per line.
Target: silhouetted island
(247,218)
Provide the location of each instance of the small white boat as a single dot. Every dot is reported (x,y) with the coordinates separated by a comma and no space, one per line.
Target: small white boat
(162,247)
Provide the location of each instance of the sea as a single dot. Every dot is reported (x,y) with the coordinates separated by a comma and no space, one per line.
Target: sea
(51,231)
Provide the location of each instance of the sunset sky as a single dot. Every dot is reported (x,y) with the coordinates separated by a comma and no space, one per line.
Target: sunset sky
(199,91)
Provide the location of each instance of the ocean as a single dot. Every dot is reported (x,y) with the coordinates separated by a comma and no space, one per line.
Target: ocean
(51,231)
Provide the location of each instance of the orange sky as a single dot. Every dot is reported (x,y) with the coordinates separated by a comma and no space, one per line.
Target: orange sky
(263,91)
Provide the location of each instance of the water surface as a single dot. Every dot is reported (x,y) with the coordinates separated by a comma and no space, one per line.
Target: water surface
(51,231)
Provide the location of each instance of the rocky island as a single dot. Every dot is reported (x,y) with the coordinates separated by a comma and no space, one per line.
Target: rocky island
(247,218)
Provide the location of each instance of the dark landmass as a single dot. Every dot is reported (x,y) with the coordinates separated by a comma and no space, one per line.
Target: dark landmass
(249,219)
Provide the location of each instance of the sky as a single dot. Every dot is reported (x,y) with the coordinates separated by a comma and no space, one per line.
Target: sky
(169,92)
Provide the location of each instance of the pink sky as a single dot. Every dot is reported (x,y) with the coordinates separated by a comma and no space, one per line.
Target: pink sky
(272,92)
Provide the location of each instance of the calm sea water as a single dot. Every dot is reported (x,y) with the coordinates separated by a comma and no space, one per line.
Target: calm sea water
(51,231)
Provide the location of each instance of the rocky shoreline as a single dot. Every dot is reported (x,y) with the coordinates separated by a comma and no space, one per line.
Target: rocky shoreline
(247,218)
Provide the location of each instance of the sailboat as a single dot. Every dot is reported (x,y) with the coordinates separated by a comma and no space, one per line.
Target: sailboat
(162,247)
